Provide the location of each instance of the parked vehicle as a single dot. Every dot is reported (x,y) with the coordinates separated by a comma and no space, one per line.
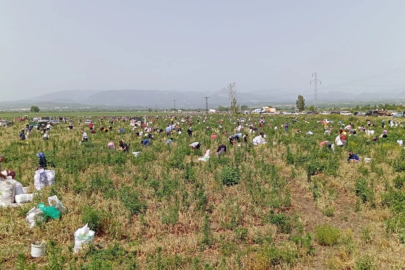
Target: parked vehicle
(398,114)
(88,121)
(54,122)
(257,111)
(334,112)
(325,113)
(5,123)
(372,113)
(345,113)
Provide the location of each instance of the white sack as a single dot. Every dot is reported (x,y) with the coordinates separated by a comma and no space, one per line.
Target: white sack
(23,198)
(83,236)
(7,192)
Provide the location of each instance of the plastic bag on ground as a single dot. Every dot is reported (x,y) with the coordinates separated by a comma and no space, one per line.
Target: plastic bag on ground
(83,236)
(367,160)
(7,192)
(49,211)
(35,216)
(338,141)
(206,157)
(54,201)
(23,198)
(43,178)
(400,142)
(18,187)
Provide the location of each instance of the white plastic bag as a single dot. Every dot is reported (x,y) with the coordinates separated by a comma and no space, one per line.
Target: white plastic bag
(23,198)
(400,142)
(35,216)
(54,201)
(206,157)
(83,236)
(338,141)
(43,178)
(7,192)
(18,187)
(367,160)
(370,132)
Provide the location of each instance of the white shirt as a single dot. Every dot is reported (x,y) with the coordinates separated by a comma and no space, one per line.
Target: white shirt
(194,144)
(84,135)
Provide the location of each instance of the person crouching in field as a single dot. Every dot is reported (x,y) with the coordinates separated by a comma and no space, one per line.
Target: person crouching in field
(45,136)
(195,145)
(353,157)
(84,136)
(42,164)
(123,146)
(221,149)
(111,146)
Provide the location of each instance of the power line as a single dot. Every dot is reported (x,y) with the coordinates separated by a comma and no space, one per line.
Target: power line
(315,81)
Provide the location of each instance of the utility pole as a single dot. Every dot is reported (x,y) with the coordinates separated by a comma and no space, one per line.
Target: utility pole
(315,81)
(206,104)
(174,101)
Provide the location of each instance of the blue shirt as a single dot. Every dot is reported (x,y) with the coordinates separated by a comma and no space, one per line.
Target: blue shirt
(354,156)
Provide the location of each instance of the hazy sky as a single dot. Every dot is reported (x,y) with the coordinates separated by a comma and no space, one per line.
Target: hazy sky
(48,45)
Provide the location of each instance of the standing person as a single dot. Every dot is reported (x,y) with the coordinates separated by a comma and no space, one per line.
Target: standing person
(383,123)
(48,126)
(22,135)
(286,126)
(168,130)
(42,164)
(91,125)
(368,123)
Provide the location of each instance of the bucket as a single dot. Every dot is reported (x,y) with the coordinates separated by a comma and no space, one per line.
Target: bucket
(38,249)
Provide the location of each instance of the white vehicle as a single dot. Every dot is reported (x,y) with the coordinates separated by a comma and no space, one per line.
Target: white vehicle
(88,121)
(257,111)
(325,113)
(345,113)
(287,113)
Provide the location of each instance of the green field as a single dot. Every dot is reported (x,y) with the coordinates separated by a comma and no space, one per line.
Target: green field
(287,204)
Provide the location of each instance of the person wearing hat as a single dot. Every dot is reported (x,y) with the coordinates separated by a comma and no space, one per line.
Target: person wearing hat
(42,164)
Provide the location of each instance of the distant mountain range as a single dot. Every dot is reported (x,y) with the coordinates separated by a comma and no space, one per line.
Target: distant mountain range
(165,99)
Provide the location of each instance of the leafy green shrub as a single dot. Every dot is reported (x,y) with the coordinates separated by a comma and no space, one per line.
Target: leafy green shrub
(131,201)
(282,221)
(241,233)
(230,176)
(399,182)
(92,217)
(290,156)
(365,262)
(327,235)
(363,191)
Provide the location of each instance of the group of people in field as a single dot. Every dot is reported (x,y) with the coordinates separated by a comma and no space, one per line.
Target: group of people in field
(147,130)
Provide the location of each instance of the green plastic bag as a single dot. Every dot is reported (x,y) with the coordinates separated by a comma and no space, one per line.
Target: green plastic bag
(49,211)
